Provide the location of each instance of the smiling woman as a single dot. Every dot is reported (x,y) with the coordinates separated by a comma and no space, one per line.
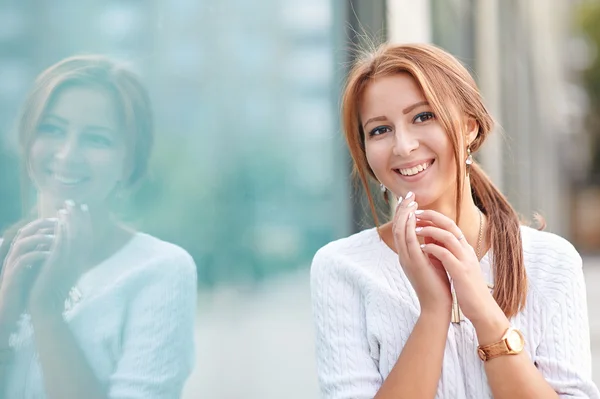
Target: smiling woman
(88,306)
(405,309)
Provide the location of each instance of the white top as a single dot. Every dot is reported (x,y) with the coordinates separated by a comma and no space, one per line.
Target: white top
(134,320)
(365,309)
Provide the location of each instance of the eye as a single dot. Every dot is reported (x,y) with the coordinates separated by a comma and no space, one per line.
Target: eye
(48,129)
(423,117)
(379,130)
(98,140)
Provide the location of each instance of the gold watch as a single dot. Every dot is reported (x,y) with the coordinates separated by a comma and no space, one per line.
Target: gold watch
(512,343)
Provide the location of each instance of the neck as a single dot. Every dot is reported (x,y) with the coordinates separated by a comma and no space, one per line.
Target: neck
(469,222)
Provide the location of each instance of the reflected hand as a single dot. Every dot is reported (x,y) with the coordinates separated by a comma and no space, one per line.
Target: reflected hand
(28,251)
(68,260)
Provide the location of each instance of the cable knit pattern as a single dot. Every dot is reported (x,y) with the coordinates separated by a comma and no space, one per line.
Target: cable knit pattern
(365,309)
(134,323)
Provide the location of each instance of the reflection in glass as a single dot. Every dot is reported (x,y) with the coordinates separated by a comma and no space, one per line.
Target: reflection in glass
(90,307)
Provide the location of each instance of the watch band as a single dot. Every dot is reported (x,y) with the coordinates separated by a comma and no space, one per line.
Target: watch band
(506,346)
(488,352)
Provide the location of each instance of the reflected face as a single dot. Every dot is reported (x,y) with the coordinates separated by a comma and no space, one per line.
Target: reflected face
(406,147)
(79,149)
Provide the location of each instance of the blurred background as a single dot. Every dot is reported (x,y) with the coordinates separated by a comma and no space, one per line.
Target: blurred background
(250,173)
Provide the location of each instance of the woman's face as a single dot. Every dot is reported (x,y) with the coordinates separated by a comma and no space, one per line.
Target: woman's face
(79,150)
(406,147)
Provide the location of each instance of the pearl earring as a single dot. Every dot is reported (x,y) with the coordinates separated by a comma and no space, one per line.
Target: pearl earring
(469,160)
(382,188)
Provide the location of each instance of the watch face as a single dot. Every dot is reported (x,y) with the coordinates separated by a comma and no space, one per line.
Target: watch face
(515,341)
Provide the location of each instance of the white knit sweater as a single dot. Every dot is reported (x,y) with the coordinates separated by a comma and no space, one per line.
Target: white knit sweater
(134,322)
(365,309)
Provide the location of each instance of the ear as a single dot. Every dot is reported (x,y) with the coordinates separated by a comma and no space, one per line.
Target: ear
(472,130)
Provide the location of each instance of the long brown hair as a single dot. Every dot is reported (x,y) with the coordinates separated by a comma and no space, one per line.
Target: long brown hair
(451,92)
(131,100)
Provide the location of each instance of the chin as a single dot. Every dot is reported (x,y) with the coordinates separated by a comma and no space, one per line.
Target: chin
(426,198)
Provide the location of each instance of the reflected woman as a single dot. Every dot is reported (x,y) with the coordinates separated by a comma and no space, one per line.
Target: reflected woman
(90,308)
(452,298)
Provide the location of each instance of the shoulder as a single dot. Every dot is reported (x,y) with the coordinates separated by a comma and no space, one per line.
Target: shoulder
(552,262)
(152,257)
(353,251)
(542,248)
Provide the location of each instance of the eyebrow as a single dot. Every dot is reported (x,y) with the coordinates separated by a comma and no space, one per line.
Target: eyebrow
(404,111)
(376,119)
(66,122)
(415,105)
(52,116)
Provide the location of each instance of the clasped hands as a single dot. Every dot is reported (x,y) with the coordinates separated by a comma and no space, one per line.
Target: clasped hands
(46,259)
(444,254)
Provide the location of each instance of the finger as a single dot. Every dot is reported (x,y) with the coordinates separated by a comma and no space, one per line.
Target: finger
(408,201)
(398,232)
(47,230)
(33,227)
(28,244)
(399,225)
(447,258)
(31,260)
(444,237)
(61,232)
(440,220)
(422,223)
(405,205)
(412,241)
(72,220)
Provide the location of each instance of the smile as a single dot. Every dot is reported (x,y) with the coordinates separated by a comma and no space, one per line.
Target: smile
(415,170)
(68,180)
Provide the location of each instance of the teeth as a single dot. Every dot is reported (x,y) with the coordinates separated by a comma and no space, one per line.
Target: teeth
(415,169)
(67,180)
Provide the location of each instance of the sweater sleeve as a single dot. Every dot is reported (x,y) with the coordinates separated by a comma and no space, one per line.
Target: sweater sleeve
(157,340)
(344,364)
(564,355)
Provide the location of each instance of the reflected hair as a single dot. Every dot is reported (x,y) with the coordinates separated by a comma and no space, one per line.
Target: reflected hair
(452,93)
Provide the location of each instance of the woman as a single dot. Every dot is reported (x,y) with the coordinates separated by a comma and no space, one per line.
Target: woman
(90,308)
(453,298)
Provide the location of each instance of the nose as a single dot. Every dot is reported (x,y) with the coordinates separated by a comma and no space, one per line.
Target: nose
(68,150)
(404,143)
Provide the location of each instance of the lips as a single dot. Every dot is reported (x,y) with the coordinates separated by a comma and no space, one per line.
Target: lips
(415,169)
(67,179)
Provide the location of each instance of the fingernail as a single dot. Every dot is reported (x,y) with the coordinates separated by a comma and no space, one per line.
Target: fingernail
(399,199)
(418,229)
(84,207)
(419,211)
(410,215)
(423,246)
(412,204)
(409,194)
